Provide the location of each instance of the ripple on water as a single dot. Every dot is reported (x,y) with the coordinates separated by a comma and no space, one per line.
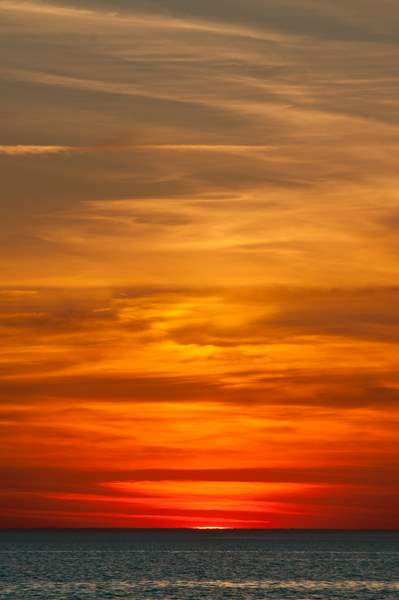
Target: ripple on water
(151,566)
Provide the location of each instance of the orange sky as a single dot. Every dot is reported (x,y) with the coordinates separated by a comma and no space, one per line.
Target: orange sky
(199,264)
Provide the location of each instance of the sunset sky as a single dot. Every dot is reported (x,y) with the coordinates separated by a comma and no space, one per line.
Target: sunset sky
(199,301)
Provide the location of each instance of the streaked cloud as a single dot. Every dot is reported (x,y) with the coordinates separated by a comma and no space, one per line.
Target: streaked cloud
(20,150)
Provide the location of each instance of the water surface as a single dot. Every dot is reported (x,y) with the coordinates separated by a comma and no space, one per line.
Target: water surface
(193,565)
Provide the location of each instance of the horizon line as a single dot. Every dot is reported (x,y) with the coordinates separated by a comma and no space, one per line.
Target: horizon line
(204,529)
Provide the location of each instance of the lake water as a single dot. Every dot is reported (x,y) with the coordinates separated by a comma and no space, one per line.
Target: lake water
(191,565)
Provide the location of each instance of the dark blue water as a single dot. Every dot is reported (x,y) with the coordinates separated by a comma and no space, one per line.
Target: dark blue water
(190,565)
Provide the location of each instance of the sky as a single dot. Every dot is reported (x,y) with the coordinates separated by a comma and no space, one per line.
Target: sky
(199,263)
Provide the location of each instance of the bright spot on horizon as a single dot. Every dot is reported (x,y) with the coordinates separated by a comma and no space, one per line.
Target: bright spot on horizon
(211,527)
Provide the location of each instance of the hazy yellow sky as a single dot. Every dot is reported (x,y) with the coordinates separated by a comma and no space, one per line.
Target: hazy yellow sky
(199,263)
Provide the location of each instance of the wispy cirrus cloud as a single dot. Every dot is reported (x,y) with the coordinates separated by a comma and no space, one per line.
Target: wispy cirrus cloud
(24,150)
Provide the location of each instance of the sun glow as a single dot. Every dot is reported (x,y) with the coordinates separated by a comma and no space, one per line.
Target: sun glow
(210,527)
